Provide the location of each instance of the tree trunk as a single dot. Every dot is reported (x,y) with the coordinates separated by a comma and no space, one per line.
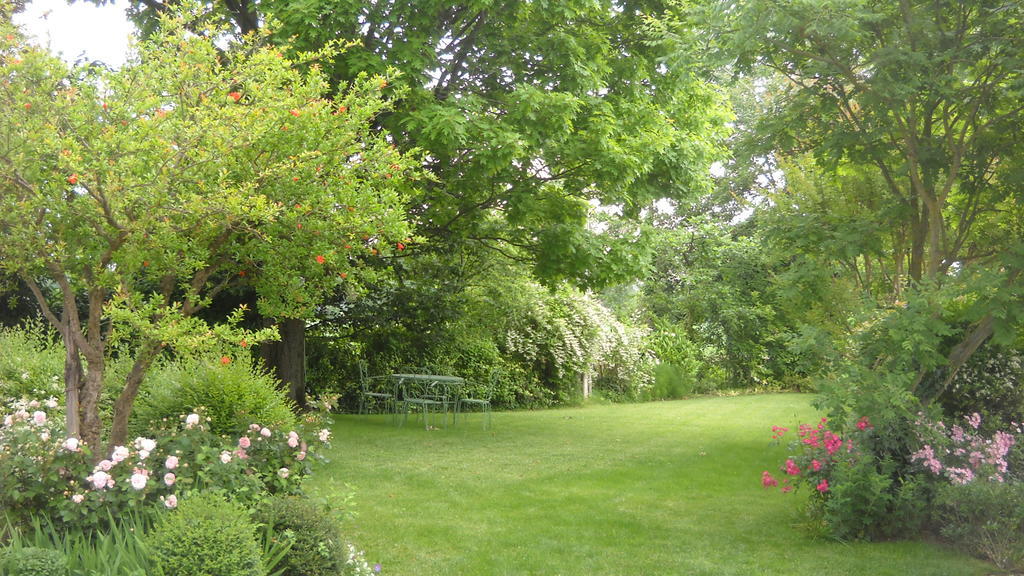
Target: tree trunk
(918,239)
(287,358)
(123,405)
(91,423)
(72,385)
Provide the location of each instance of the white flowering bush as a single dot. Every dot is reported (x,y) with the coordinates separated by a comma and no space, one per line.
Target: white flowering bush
(47,473)
(569,334)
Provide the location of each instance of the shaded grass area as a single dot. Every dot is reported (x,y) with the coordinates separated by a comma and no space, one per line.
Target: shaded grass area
(657,488)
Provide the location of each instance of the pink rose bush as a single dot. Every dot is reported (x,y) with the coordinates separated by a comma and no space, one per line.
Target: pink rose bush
(80,487)
(961,455)
(817,451)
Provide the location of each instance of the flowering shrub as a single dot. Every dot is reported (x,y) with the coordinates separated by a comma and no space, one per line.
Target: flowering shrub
(856,493)
(47,473)
(820,450)
(962,454)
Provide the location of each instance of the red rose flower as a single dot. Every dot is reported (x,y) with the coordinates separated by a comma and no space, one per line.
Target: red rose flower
(320,259)
(225,360)
(73,179)
(236,96)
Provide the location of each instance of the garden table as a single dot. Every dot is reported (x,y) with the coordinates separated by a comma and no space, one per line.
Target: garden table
(427,392)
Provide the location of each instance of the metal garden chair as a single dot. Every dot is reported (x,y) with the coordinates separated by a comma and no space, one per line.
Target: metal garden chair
(483,402)
(372,393)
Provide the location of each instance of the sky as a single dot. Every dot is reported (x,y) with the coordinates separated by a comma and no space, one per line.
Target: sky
(81,29)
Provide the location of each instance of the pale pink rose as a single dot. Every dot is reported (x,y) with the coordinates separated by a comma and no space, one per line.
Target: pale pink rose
(169,478)
(283,472)
(39,417)
(71,444)
(265,432)
(254,427)
(147,444)
(244,442)
(44,436)
(225,457)
(104,465)
(99,479)
(138,480)
(51,403)
(143,454)
(300,456)
(120,453)
(293,441)
(171,501)
(77,498)
(324,435)
(240,453)
(171,463)
(191,420)
(33,404)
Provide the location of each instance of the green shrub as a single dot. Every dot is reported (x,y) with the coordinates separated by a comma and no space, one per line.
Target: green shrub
(206,536)
(31,363)
(32,561)
(233,395)
(985,519)
(311,529)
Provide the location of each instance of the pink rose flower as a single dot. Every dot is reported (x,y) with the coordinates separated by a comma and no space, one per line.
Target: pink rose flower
(169,478)
(265,432)
(39,417)
(171,463)
(244,442)
(225,457)
(138,480)
(171,501)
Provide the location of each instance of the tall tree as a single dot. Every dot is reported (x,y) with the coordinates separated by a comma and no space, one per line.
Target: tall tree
(928,94)
(529,112)
(130,198)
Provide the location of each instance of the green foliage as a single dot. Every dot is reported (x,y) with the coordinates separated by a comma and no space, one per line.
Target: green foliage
(115,548)
(31,561)
(206,536)
(868,501)
(233,395)
(31,363)
(310,529)
(197,167)
(990,384)
(985,519)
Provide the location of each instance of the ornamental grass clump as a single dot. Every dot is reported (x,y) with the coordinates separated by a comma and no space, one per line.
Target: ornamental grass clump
(206,536)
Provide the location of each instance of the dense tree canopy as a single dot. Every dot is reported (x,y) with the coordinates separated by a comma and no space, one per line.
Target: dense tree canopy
(131,198)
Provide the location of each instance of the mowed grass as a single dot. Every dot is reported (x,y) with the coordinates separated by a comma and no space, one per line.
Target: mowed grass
(638,489)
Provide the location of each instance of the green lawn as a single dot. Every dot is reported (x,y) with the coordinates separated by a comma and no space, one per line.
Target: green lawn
(657,488)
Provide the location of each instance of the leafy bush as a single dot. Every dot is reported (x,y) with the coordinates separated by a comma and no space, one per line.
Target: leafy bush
(31,363)
(985,519)
(857,493)
(32,561)
(234,394)
(312,530)
(206,536)
(991,383)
